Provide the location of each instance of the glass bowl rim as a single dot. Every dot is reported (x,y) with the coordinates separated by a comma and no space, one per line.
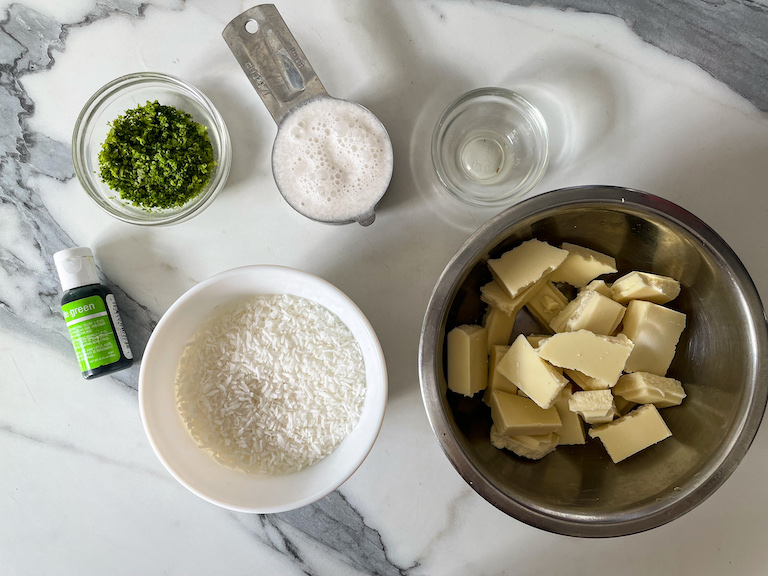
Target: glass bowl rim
(186,91)
(531,113)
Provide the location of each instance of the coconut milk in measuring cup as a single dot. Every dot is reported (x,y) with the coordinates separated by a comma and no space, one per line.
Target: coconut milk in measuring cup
(332,159)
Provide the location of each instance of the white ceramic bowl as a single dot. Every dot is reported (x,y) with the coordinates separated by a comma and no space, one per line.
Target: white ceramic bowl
(193,466)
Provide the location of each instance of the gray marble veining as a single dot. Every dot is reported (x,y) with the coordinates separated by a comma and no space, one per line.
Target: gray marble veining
(331,522)
(727,38)
(29,302)
(29,297)
(27,41)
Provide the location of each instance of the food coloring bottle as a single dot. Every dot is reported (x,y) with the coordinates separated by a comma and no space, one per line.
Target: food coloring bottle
(91,314)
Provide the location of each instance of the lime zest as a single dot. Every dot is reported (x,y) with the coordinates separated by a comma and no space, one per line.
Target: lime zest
(156,157)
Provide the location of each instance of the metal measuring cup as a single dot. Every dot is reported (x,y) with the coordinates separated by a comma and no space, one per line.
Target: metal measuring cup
(282,76)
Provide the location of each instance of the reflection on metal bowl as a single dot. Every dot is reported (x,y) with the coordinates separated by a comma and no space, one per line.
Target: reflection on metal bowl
(721,361)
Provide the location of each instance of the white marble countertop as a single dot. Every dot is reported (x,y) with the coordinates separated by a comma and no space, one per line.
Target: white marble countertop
(81,491)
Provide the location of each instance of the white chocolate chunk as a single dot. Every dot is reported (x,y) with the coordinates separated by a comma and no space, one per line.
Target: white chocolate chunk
(585,382)
(645,286)
(522,366)
(594,406)
(582,265)
(572,429)
(496,381)
(467,359)
(623,405)
(494,295)
(498,327)
(594,355)
(632,433)
(536,339)
(523,266)
(591,311)
(598,286)
(515,415)
(655,331)
(546,303)
(531,447)
(647,388)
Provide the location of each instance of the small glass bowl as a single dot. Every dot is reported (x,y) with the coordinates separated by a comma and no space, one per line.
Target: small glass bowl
(129,92)
(490,147)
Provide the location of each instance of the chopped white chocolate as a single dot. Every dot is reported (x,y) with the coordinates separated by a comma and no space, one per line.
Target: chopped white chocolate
(582,265)
(522,366)
(515,415)
(594,406)
(587,383)
(623,405)
(546,303)
(591,311)
(647,388)
(598,286)
(595,355)
(572,429)
(645,286)
(632,433)
(498,327)
(532,447)
(533,405)
(496,381)
(494,295)
(655,331)
(467,359)
(536,339)
(523,266)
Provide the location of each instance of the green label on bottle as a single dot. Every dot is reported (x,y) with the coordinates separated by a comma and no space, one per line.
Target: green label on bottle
(91,332)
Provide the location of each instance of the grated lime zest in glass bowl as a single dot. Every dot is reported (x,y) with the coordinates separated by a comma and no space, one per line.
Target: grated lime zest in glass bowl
(156,156)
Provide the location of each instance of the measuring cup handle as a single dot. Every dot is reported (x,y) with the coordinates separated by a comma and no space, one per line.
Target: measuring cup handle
(272,59)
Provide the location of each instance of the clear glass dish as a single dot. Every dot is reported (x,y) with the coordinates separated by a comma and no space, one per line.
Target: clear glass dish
(129,92)
(490,147)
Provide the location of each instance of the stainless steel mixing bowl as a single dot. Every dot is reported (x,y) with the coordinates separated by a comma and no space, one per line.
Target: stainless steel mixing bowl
(721,361)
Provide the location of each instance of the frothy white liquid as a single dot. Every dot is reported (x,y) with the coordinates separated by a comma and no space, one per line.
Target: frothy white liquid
(332,160)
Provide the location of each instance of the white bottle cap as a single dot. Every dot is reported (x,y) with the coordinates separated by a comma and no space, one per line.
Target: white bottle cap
(76,268)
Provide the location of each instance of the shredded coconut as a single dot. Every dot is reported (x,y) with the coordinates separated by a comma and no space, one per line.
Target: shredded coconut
(271,384)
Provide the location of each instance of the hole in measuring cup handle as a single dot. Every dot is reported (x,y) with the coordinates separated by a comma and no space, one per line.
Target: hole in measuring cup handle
(295,97)
(251,26)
